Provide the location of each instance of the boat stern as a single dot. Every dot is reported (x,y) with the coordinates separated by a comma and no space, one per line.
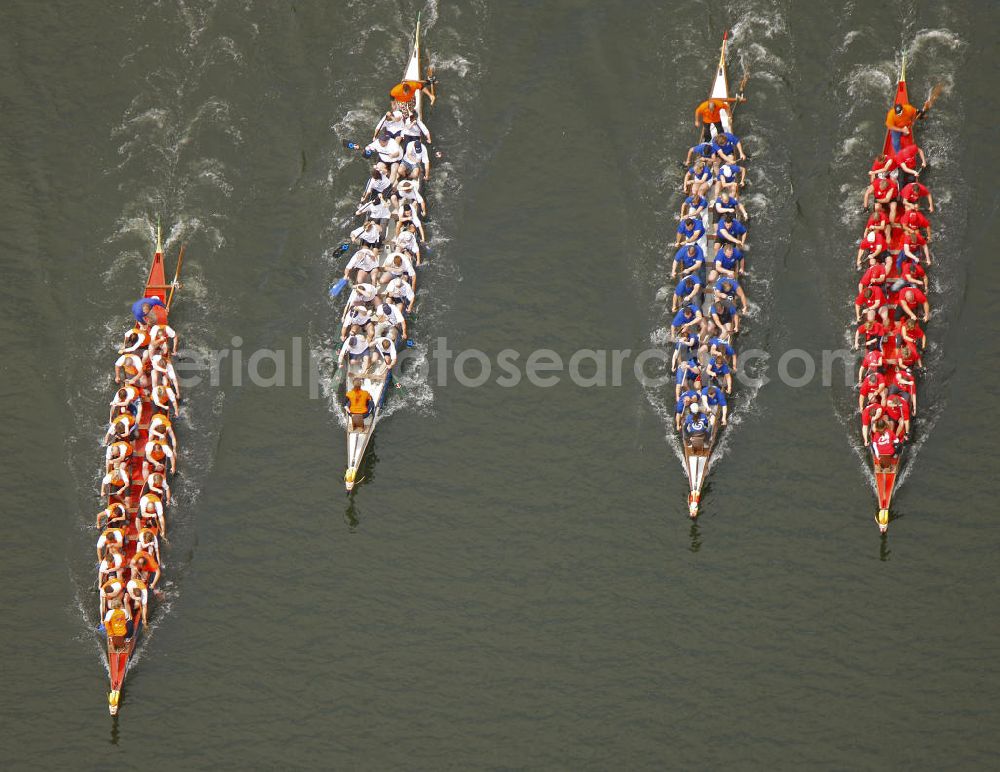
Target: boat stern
(693,500)
(114,696)
(882,519)
(349,478)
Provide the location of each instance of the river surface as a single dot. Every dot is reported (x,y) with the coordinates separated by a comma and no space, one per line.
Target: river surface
(515,583)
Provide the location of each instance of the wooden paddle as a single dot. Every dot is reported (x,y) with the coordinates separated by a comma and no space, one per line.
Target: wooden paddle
(935,93)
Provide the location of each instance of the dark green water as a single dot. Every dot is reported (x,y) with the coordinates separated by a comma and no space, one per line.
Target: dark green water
(516,584)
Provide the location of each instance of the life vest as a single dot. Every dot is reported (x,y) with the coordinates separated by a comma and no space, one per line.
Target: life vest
(121,450)
(358,399)
(159,422)
(124,423)
(406,91)
(143,561)
(157,453)
(147,499)
(117,624)
(113,536)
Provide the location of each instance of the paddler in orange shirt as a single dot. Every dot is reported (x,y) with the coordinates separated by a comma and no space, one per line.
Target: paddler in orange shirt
(710,112)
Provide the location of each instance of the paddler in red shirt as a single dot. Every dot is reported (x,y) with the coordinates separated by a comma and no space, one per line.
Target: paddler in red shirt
(884,191)
(873,385)
(879,220)
(913,192)
(911,299)
(870,298)
(904,383)
(871,363)
(871,412)
(872,246)
(885,443)
(871,328)
(915,219)
(911,332)
(898,410)
(874,276)
(881,166)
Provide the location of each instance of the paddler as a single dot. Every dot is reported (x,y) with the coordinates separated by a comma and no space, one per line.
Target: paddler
(370,234)
(415,160)
(163,373)
(385,352)
(112,564)
(715,398)
(395,266)
(164,398)
(899,120)
(163,334)
(131,367)
(355,350)
(156,483)
(115,482)
(871,412)
(898,409)
(144,565)
(363,263)
(726,146)
(913,299)
(150,513)
(912,193)
(148,541)
(142,308)
(112,600)
(114,515)
(883,190)
(885,443)
(718,371)
(359,404)
(400,293)
(709,113)
(157,453)
(127,398)
(138,593)
(118,452)
(160,428)
(110,537)
(388,151)
(135,339)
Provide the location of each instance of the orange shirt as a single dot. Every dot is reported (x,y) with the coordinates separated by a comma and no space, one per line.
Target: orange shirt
(405,91)
(358,399)
(709,115)
(902,121)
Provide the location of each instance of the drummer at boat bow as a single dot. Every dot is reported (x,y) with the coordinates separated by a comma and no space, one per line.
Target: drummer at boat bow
(359,404)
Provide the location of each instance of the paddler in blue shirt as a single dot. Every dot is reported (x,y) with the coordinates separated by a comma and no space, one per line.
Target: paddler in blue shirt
(691,258)
(689,231)
(686,291)
(703,149)
(697,423)
(714,397)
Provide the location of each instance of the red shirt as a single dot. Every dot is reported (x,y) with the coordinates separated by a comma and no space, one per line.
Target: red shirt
(909,355)
(869,413)
(914,333)
(874,275)
(919,298)
(886,165)
(870,333)
(913,272)
(885,187)
(885,443)
(911,193)
(867,387)
(874,244)
(875,301)
(905,156)
(896,408)
(873,359)
(878,219)
(914,241)
(914,218)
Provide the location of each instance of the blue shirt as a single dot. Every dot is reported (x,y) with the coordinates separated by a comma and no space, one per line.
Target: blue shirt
(689,369)
(718,399)
(720,343)
(703,148)
(137,307)
(726,262)
(687,285)
(718,370)
(690,393)
(704,174)
(734,204)
(722,284)
(696,202)
(680,320)
(734,170)
(686,260)
(696,424)
(696,227)
(728,309)
(690,340)
(734,228)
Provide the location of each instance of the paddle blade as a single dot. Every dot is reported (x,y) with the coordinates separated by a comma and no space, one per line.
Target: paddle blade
(337,288)
(350,145)
(345,246)
(410,343)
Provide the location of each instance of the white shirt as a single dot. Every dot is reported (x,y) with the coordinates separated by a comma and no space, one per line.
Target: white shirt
(388,153)
(416,128)
(414,215)
(112,562)
(162,329)
(359,315)
(363,259)
(408,241)
(413,194)
(109,478)
(413,158)
(405,268)
(376,210)
(400,288)
(149,499)
(360,346)
(362,293)
(152,445)
(137,589)
(389,313)
(112,535)
(131,394)
(369,235)
(170,397)
(393,125)
(161,364)
(130,360)
(389,351)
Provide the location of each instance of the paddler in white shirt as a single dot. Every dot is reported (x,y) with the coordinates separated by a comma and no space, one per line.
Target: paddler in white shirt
(362,293)
(164,334)
(129,368)
(163,373)
(407,241)
(413,129)
(385,350)
(118,452)
(415,159)
(398,291)
(157,453)
(386,318)
(115,482)
(393,124)
(125,399)
(150,514)
(121,427)
(160,428)
(156,483)
(369,234)
(388,151)
(397,265)
(355,349)
(363,262)
(357,318)
(408,192)
(164,398)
